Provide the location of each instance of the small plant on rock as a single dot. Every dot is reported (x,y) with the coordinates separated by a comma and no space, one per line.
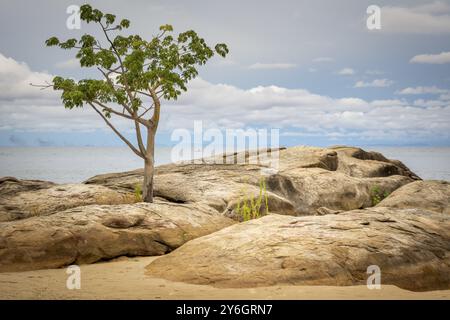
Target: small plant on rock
(377,195)
(138,193)
(250,208)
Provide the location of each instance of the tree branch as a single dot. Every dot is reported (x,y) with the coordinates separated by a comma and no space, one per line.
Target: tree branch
(155,117)
(129,144)
(113,111)
(108,79)
(139,139)
(148,109)
(127,88)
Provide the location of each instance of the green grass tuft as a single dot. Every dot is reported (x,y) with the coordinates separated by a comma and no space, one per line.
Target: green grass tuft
(377,195)
(138,193)
(250,208)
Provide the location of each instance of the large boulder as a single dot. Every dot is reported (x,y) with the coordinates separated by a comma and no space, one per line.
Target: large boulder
(360,163)
(10,186)
(47,199)
(93,233)
(309,180)
(429,195)
(410,246)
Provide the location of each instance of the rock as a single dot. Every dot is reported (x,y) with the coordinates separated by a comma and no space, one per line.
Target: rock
(93,233)
(42,198)
(308,178)
(122,181)
(324,210)
(10,186)
(411,247)
(314,188)
(359,163)
(429,195)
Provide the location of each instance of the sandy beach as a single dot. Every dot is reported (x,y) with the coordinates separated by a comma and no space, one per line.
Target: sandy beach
(124,278)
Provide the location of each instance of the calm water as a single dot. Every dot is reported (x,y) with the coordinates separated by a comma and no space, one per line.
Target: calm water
(70,164)
(75,164)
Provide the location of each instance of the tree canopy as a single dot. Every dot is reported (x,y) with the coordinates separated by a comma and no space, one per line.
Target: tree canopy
(132,67)
(135,75)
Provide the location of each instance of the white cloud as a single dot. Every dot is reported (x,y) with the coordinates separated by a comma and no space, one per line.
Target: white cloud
(25,107)
(312,114)
(266,66)
(431,18)
(225,106)
(422,90)
(429,103)
(441,58)
(377,83)
(346,72)
(15,80)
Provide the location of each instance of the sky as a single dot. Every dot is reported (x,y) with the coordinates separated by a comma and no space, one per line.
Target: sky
(311,69)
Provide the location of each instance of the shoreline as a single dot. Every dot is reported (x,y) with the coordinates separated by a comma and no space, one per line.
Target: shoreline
(123,278)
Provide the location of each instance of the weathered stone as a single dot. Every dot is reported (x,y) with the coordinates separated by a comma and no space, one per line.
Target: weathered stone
(411,247)
(308,178)
(359,163)
(10,186)
(93,233)
(429,195)
(51,199)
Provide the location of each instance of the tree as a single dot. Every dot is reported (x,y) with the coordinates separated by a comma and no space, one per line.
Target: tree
(136,76)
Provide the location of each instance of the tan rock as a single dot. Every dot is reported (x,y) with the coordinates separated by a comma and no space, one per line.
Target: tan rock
(92,233)
(411,247)
(359,163)
(429,195)
(51,199)
(308,178)
(10,186)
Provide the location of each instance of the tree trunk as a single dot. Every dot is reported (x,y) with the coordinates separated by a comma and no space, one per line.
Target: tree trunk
(149,167)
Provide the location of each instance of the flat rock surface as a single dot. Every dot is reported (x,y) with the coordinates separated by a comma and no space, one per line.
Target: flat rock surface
(430,195)
(410,246)
(92,233)
(53,198)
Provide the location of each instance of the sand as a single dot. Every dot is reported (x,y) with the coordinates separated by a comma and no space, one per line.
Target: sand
(124,278)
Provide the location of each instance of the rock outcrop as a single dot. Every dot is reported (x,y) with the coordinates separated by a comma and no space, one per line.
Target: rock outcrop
(42,198)
(309,180)
(43,225)
(430,195)
(410,246)
(359,163)
(92,233)
(10,186)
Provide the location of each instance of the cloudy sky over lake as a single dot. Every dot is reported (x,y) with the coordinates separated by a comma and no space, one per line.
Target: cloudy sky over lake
(310,68)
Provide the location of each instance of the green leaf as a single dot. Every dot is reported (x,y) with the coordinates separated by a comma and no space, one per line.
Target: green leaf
(53,41)
(68,44)
(125,23)
(221,49)
(166,27)
(110,18)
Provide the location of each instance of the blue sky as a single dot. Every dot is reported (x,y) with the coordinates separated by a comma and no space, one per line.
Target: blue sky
(310,68)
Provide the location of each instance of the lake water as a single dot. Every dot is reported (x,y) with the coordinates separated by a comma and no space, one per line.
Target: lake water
(76,164)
